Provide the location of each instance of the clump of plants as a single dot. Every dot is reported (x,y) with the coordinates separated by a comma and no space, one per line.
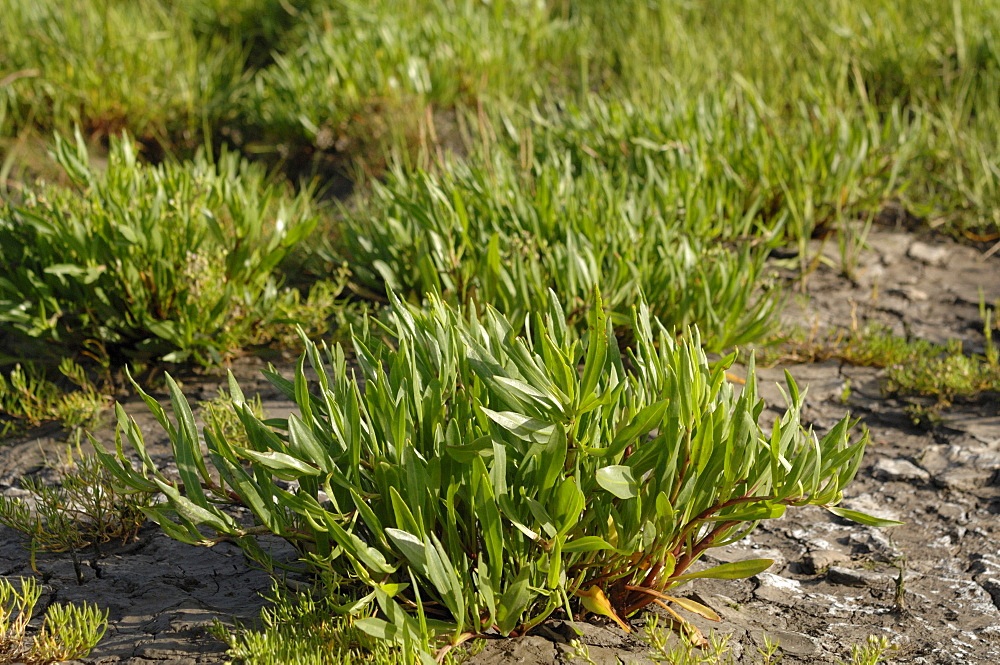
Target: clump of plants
(493,230)
(484,479)
(84,509)
(665,648)
(357,78)
(175,262)
(311,629)
(148,67)
(67,632)
(913,367)
(28,398)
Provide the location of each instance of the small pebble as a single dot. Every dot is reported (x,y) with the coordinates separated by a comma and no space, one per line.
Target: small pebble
(818,561)
(853,577)
(929,254)
(899,469)
(778,590)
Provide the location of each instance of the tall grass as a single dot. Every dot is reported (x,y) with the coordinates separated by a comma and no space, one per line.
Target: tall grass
(933,64)
(146,66)
(357,77)
(730,166)
(352,78)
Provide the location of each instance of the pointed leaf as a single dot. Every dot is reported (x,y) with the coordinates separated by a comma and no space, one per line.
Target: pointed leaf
(862,518)
(729,571)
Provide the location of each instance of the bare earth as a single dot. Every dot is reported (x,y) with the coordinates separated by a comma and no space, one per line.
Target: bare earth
(833,583)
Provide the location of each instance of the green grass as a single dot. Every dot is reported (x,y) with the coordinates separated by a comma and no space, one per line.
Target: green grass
(176,262)
(107,66)
(506,155)
(909,87)
(490,230)
(356,77)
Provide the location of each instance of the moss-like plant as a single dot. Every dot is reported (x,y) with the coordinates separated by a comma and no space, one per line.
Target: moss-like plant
(68,631)
(483,479)
(307,628)
(28,398)
(83,509)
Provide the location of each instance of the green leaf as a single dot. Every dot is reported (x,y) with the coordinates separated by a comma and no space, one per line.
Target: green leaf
(303,443)
(862,518)
(736,570)
(514,601)
(525,391)
(648,418)
(588,544)
(466,453)
(378,628)
(284,466)
(523,427)
(597,346)
(186,445)
(766,510)
(411,547)
(618,480)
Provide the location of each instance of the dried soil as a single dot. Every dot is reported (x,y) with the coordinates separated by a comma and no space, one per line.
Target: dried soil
(931,586)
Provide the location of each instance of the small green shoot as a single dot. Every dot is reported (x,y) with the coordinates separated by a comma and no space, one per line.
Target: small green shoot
(770,651)
(872,652)
(666,647)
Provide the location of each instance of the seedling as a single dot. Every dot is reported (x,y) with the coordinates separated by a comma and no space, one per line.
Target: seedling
(872,652)
(770,651)
(666,648)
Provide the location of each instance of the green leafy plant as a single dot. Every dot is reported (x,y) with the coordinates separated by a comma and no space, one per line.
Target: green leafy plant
(67,632)
(304,629)
(147,67)
(325,308)
(220,415)
(715,159)
(481,480)
(488,230)
(174,261)
(356,78)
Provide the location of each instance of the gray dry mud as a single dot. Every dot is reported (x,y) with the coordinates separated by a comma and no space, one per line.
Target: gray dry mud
(931,586)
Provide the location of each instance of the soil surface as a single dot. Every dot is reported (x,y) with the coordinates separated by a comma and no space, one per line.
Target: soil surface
(931,586)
